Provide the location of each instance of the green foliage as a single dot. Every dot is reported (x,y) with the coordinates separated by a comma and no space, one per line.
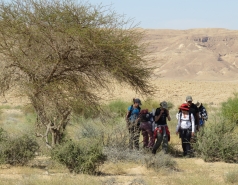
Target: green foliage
(18,151)
(5,107)
(79,159)
(151,104)
(218,141)
(84,49)
(229,109)
(119,107)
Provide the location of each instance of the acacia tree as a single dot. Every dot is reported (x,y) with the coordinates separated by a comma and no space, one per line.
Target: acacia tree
(61,54)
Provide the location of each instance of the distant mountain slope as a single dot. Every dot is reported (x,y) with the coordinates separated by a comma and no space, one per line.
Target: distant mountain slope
(201,54)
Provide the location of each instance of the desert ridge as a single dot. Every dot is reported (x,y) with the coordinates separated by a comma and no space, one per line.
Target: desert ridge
(200,54)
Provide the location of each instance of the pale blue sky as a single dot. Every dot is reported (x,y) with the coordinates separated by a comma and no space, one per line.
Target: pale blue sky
(178,14)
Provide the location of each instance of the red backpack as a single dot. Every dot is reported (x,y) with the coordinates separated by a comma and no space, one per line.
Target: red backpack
(145,115)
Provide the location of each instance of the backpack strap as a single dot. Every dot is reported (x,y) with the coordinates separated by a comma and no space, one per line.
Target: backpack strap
(189,114)
(130,111)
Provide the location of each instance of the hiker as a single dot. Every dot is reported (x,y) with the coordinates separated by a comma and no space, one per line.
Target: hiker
(146,120)
(203,116)
(162,131)
(193,110)
(185,128)
(133,124)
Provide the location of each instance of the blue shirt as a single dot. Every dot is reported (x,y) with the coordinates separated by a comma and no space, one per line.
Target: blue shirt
(134,113)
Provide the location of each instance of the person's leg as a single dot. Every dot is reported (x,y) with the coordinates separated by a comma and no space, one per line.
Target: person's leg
(131,134)
(145,137)
(165,144)
(183,141)
(136,137)
(158,142)
(152,139)
(188,144)
(144,134)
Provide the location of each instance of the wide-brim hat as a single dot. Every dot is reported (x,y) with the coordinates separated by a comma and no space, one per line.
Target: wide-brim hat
(184,107)
(164,104)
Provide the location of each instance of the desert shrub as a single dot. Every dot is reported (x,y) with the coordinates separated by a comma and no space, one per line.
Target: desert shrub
(231,177)
(119,107)
(79,159)
(229,109)
(111,131)
(159,161)
(218,141)
(3,135)
(18,151)
(151,104)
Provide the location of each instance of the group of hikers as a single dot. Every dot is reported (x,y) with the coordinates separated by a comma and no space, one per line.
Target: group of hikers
(153,125)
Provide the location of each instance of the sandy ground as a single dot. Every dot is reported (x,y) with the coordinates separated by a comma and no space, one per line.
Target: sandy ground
(210,92)
(190,171)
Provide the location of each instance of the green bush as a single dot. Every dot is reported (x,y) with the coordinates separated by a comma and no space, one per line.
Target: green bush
(18,151)
(119,107)
(79,159)
(218,141)
(229,109)
(151,104)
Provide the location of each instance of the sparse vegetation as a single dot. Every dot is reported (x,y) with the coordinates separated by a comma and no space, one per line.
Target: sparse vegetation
(159,161)
(18,150)
(229,109)
(218,141)
(231,177)
(79,159)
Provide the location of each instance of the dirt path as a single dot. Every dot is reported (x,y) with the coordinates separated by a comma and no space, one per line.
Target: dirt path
(198,171)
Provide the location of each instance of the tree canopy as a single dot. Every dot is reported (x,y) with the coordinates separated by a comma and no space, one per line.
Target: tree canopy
(60,54)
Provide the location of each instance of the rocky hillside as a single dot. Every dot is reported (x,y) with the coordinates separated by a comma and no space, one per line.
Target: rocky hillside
(200,54)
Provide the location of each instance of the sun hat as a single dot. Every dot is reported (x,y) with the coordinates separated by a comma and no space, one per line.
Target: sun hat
(184,106)
(164,104)
(189,98)
(137,100)
(198,104)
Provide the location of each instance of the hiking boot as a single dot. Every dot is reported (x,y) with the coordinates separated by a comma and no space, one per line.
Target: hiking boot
(153,151)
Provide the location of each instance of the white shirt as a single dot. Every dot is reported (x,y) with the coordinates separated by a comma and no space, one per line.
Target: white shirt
(185,123)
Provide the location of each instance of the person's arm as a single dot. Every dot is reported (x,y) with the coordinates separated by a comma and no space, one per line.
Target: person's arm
(169,118)
(158,114)
(197,120)
(179,124)
(127,114)
(129,110)
(193,124)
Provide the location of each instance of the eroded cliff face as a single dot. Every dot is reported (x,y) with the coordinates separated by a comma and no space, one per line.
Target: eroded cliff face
(201,54)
